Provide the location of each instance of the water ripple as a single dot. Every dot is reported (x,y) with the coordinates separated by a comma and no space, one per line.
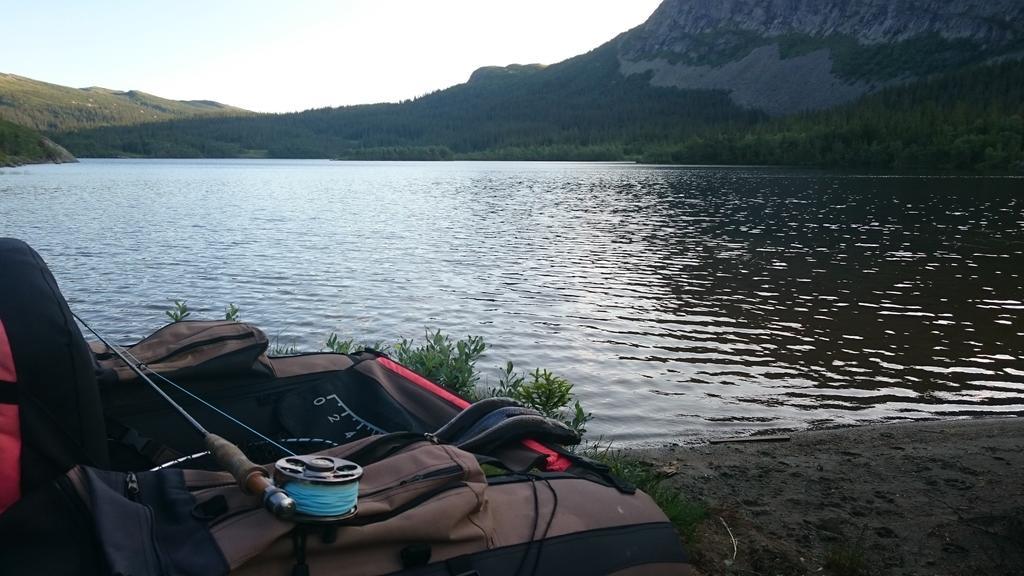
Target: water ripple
(683,302)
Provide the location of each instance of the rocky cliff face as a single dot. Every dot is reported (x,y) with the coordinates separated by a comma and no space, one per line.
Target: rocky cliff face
(785,56)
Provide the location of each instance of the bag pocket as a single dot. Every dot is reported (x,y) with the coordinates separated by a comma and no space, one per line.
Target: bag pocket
(194,349)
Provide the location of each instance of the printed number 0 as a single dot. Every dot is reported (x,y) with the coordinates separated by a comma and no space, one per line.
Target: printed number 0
(320,401)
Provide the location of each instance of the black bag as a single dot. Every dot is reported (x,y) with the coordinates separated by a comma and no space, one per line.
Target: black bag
(50,412)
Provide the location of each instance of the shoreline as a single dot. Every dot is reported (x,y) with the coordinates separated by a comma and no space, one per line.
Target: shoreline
(828,170)
(908,498)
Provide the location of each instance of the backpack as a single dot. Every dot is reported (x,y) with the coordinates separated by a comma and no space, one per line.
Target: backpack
(424,509)
(73,501)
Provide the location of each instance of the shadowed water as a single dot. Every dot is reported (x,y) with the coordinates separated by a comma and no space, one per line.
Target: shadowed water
(683,302)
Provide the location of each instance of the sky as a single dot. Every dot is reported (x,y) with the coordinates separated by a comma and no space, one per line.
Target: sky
(282,56)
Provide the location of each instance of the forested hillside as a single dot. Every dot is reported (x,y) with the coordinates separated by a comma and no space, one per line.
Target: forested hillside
(20,145)
(54,108)
(969,120)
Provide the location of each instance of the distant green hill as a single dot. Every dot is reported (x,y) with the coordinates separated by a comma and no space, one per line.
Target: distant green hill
(20,145)
(53,108)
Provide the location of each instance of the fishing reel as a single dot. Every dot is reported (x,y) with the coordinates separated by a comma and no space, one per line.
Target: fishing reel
(325,489)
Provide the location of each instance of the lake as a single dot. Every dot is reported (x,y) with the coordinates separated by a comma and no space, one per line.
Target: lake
(684,303)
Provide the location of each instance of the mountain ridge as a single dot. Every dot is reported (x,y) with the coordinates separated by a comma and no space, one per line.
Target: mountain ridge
(869,21)
(49,107)
(788,56)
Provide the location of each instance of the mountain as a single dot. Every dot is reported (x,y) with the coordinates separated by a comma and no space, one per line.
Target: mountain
(786,56)
(716,81)
(54,108)
(20,145)
(582,108)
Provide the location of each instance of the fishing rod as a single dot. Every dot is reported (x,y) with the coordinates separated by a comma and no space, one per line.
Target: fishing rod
(252,478)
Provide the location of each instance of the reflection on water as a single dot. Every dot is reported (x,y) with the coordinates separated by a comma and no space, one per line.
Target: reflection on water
(683,303)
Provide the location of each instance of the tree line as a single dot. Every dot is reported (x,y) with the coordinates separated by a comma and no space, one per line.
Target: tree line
(583,109)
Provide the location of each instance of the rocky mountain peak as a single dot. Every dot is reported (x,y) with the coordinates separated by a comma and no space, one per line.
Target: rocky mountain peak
(784,56)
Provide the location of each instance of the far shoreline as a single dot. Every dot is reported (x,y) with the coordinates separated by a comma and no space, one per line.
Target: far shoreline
(823,170)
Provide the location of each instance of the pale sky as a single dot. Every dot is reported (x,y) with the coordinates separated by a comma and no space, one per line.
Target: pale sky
(279,56)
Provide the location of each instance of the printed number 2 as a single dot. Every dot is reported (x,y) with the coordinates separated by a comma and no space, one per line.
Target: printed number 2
(322,400)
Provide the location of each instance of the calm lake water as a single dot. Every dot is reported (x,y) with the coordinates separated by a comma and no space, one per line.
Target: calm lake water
(684,303)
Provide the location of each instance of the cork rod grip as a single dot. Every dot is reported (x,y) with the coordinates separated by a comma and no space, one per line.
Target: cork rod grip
(250,477)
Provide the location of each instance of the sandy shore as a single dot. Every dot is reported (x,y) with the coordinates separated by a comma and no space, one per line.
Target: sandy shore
(923,498)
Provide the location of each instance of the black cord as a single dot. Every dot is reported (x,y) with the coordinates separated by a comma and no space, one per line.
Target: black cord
(299,551)
(551,520)
(536,523)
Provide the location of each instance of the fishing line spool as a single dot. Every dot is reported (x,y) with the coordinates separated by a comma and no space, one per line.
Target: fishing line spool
(325,489)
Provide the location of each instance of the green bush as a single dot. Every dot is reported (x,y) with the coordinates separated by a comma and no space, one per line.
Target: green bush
(438,358)
(543,391)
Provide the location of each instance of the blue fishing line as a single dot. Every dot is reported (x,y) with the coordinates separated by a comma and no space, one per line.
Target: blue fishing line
(323,499)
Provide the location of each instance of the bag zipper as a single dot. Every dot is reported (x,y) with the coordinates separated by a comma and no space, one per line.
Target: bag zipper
(200,344)
(131,486)
(448,471)
(403,440)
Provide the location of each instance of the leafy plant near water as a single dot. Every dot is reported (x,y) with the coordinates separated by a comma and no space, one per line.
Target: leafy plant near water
(449,363)
(179,311)
(231,312)
(543,391)
(351,346)
(453,364)
(278,348)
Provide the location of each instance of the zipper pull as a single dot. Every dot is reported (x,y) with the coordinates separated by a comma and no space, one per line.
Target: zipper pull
(131,486)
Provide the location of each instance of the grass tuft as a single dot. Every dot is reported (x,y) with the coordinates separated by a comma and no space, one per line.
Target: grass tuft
(684,513)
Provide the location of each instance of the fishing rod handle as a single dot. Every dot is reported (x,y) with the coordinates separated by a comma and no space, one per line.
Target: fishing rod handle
(251,478)
(233,461)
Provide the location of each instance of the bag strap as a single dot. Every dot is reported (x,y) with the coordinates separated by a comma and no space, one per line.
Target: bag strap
(156,453)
